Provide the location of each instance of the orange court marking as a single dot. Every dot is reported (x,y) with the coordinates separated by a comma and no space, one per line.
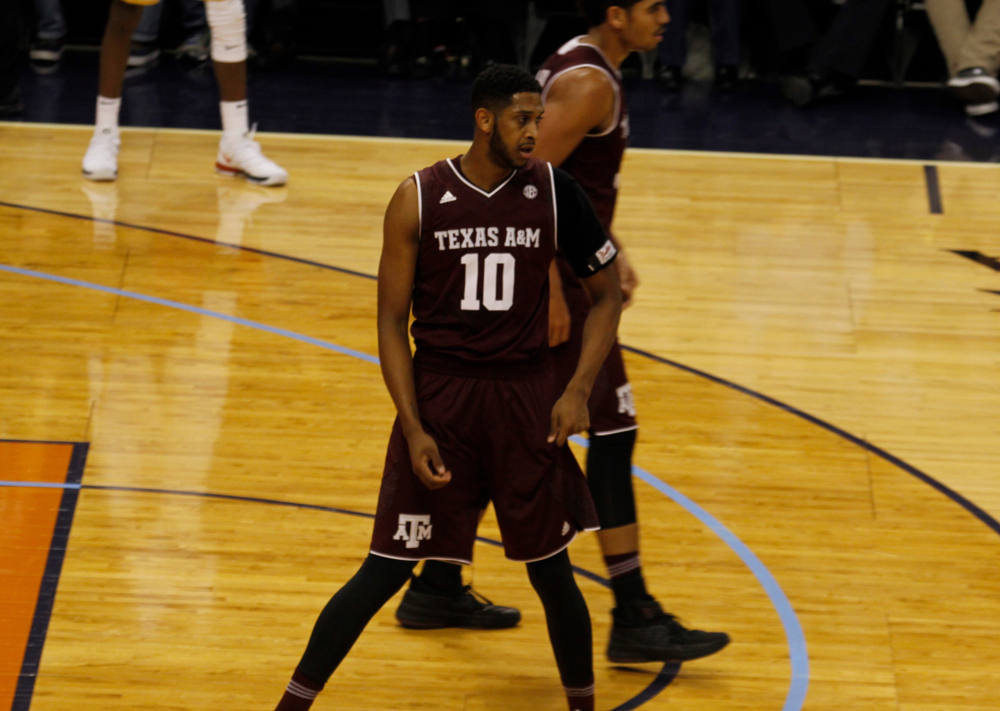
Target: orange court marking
(27,522)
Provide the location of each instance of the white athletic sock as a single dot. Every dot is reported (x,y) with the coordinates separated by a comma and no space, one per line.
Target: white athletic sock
(235,118)
(107,114)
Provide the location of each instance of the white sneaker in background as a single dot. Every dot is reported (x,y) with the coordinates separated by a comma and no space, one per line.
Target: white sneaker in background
(101,159)
(243,156)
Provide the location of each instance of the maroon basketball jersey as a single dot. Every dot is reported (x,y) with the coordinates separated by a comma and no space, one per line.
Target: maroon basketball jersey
(480,292)
(596,161)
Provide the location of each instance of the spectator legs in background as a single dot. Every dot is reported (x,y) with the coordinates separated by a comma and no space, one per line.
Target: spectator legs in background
(144,52)
(10,89)
(972,51)
(835,58)
(46,50)
(195,47)
(724,17)
(673,49)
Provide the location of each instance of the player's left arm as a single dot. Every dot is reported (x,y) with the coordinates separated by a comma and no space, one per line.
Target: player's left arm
(590,252)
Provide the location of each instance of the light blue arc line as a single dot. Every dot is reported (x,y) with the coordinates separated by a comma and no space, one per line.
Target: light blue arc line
(797,652)
(195,310)
(793,629)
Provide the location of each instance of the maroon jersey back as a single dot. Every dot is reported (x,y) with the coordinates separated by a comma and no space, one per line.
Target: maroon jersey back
(596,161)
(480,293)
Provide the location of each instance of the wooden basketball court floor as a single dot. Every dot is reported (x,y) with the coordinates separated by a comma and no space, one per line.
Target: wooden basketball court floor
(182,356)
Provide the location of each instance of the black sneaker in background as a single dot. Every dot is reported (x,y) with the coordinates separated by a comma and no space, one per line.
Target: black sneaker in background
(974,85)
(643,632)
(468,610)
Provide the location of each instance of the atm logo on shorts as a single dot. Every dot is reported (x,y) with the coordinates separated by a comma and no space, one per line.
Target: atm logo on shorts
(413,529)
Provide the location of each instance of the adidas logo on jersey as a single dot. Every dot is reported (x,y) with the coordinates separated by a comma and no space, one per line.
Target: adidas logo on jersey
(448,197)
(566,527)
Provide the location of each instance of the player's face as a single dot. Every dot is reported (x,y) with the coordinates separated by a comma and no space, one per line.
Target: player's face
(644,28)
(515,130)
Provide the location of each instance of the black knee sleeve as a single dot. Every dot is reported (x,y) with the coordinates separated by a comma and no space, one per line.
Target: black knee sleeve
(349,611)
(609,476)
(567,618)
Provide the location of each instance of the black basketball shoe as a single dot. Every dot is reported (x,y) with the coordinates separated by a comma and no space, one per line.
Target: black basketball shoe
(643,632)
(468,610)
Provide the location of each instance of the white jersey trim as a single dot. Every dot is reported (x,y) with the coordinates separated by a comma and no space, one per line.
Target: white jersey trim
(555,207)
(611,432)
(420,558)
(573,44)
(420,202)
(461,177)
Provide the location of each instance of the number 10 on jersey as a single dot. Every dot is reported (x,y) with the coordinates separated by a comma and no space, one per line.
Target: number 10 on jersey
(493,265)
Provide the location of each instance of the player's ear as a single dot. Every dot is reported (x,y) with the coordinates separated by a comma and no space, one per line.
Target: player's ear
(484,119)
(617,17)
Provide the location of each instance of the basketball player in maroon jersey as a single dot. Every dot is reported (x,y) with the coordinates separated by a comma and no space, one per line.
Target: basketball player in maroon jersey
(467,246)
(585,132)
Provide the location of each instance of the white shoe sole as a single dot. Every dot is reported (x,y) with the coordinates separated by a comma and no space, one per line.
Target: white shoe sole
(271,181)
(101,176)
(982,109)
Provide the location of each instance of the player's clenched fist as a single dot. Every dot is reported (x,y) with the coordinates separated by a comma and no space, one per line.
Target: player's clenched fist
(426,460)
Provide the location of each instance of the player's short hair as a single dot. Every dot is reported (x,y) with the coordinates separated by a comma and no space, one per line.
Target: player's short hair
(495,87)
(595,12)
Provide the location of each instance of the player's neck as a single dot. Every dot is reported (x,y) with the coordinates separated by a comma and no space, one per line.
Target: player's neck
(609,43)
(480,170)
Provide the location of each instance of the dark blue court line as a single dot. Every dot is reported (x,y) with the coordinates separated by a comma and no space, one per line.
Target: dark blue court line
(933,190)
(50,579)
(181,235)
(72,488)
(868,446)
(798,656)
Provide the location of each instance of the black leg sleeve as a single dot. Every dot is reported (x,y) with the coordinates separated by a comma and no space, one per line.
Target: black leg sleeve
(609,476)
(349,611)
(567,618)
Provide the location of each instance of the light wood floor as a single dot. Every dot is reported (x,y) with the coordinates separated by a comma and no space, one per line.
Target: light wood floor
(823,283)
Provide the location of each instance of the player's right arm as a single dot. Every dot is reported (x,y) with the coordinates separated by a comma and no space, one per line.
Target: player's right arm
(396,270)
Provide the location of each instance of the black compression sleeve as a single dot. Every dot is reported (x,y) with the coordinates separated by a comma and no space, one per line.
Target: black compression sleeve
(581,236)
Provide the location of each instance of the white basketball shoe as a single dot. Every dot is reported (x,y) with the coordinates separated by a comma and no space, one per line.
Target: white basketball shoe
(101,159)
(242,156)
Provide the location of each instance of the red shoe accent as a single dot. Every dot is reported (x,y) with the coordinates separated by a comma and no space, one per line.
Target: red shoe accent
(227,168)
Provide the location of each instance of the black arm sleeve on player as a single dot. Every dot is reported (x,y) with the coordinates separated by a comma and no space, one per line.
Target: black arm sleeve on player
(581,236)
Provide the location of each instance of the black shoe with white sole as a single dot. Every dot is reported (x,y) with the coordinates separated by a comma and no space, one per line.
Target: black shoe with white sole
(974,86)
(643,632)
(468,610)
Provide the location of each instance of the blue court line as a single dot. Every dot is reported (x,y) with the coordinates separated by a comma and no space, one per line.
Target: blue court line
(193,309)
(796,644)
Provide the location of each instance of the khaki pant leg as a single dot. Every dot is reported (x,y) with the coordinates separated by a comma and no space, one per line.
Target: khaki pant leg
(982,48)
(950,21)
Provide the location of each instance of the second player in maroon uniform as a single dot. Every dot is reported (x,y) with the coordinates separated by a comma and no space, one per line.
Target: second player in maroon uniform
(585,132)
(467,246)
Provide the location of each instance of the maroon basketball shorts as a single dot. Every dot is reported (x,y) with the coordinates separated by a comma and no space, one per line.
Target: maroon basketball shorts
(492,437)
(611,405)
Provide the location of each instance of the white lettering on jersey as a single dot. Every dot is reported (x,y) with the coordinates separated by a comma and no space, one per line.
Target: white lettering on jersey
(473,237)
(413,529)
